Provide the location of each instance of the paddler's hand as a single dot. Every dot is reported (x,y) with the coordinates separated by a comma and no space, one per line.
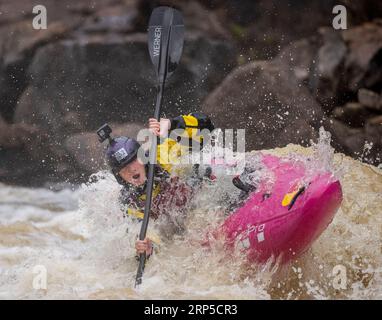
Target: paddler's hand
(160,128)
(144,246)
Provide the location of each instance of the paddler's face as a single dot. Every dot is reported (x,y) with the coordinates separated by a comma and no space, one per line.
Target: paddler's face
(134,173)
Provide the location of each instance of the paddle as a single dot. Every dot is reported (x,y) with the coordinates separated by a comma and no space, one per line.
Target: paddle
(165,41)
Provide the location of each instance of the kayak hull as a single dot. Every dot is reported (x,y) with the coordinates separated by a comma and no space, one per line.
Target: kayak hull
(265,228)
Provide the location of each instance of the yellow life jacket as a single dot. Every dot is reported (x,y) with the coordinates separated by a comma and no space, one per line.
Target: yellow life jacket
(169,152)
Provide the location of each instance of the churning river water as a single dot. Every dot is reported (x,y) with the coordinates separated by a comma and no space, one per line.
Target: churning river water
(81,242)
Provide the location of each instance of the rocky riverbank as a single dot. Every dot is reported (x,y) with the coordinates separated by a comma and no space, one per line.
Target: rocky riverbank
(244,65)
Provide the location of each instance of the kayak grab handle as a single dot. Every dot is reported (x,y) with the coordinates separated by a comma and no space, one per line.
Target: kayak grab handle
(298,193)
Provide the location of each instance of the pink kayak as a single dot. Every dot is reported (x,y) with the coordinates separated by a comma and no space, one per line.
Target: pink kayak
(283,219)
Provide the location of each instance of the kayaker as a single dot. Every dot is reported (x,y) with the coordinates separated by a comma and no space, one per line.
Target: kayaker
(169,190)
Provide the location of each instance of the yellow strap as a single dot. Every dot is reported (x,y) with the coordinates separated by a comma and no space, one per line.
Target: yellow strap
(169,154)
(155,193)
(170,151)
(135,213)
(190,121)
(191,131)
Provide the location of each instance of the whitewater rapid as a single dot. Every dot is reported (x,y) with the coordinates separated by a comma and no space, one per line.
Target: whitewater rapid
(85,246)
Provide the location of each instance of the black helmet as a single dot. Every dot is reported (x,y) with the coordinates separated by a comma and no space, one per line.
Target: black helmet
(120,151)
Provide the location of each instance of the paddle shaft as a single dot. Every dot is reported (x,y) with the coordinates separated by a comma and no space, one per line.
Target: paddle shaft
(150,175)
(152,160)
(149,188)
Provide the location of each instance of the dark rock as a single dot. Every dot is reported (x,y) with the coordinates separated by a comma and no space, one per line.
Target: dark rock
(17,48)
(63,10)
(344,138)
(203,22)
(15,169)
(20,160)
(317,62)
(364,43)
(373,129)
(14,135)
(77,85)
(360,143)
(373,76)
(88,152)
(362,11)
(271,25)
(335,64)
(375,121)
(267,101)
(118,18)
(370,99)
(19,41)
(102,78)
(198,19)
(353,114)
(299,58)
(327,76)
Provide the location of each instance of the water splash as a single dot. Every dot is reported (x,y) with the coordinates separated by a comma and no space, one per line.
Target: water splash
(87,246)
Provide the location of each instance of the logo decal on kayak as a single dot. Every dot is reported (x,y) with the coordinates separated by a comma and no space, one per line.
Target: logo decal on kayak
(260,233)
(258,230)
(260,237)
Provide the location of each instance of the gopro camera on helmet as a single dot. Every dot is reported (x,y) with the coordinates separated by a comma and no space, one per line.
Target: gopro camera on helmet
(104,133)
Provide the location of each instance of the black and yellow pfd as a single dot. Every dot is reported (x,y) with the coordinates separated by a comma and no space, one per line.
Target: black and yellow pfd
(189,133)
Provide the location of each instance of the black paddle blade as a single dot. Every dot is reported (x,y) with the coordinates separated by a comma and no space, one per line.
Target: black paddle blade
(165,40)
